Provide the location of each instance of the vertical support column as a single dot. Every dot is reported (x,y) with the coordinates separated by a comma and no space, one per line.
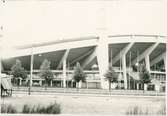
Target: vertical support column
(165,62)
(40,82)
(165,59)
(102,47)
(31,70)
(111,58)
(103,62)
(20,81)
(0,70)
(0,65)
(147,61)
(124,70)
(51,82)
(64,73)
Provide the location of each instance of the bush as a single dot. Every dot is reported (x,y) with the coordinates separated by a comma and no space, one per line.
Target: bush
(136,110)
(8,108)
(52,108)
(26,109)
(162,110)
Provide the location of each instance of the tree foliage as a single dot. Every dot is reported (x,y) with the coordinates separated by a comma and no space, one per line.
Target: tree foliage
(18,71)
(111,75)
(79,75)
(144,74)
(45,71)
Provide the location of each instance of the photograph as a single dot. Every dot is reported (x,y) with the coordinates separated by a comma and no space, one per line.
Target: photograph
(83,58)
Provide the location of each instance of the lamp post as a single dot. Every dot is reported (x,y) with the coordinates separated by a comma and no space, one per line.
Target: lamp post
(31,70)
(129,67)
(137,65)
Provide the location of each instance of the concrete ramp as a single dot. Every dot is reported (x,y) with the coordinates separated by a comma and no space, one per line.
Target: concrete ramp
(6,84)
(6,87)
(134,75)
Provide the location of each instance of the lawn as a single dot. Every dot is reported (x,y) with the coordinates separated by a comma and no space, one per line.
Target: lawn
(77,104)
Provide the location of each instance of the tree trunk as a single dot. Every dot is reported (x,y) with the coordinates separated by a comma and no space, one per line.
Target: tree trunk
(45,85)
(109,85)
(77,86)
(18,80)
(51,83)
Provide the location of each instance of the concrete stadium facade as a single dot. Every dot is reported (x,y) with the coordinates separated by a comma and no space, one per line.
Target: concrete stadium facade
(95,54)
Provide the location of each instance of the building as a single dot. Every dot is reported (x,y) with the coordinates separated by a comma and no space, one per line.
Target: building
(95,54)
(123,34)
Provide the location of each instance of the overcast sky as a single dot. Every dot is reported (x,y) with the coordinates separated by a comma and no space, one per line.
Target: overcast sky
(27,22)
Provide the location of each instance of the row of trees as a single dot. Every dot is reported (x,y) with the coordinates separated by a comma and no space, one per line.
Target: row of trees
(79,76)
(144,75)
(19,72)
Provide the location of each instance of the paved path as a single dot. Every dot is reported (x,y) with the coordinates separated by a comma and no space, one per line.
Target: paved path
(98,92)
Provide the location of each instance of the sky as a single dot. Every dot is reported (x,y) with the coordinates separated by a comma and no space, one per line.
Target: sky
(34,21)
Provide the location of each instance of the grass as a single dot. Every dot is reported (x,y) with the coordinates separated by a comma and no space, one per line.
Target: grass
(136,110)
(8,108)
(52,108)
(162,110)
(72,104)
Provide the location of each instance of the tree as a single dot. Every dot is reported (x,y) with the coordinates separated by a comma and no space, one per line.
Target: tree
(144,75)
(45,72)
(79,75)
(18,71)
(111,76)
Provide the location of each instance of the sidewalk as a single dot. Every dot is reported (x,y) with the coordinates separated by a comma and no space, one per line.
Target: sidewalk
(94,92)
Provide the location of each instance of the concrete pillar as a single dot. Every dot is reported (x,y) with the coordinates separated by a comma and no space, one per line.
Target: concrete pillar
(145,87)
(40,82)
(31,70)
(64,73)
(0,65)
(20,81)
(124,70)
(103,62)
(165,59)
(102,47)
(165,62)
(137,86)
(111,58)
(80,84)
(51,83)
(147,62)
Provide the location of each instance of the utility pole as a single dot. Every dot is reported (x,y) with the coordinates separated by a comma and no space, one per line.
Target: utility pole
(129,68)
(31,70)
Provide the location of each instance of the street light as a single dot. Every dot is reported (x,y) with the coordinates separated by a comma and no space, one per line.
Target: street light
(31,70)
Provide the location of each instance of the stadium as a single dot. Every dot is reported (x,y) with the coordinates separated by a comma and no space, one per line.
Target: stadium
(95,54)
(83,57)
(113,44)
